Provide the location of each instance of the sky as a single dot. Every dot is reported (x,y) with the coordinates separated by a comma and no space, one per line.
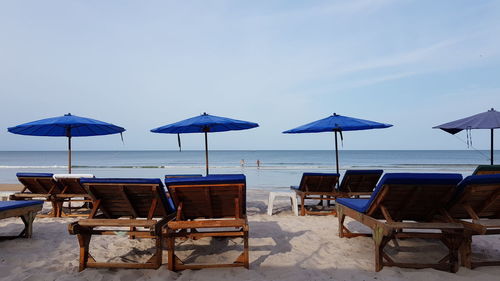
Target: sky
(144,64)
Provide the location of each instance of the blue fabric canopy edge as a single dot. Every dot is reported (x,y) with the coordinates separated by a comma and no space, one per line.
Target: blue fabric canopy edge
(338,123)
(205,123)
(60,126)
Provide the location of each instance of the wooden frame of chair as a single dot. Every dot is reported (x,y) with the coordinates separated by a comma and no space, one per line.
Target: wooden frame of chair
(356,183)
(72,191)
(216,206)
(27,215)
(487,170)
(307,190)
(44,187)
(478,209)
(142,203)
(400,208)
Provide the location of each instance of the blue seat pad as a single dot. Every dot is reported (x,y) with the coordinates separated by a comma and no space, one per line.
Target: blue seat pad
(363,172)
(9,205)
(403,178)
(34,175)
(360,205)
(184,175)
(210,179)
(122,180)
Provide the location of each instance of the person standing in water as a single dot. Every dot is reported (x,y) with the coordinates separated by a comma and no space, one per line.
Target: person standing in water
(242,163)
(258,163)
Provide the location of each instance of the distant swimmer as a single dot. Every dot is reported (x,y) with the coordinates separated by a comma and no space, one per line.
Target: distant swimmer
(258,163)
(242,162)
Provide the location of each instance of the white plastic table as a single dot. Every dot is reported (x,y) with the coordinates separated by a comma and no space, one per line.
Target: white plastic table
(290,194)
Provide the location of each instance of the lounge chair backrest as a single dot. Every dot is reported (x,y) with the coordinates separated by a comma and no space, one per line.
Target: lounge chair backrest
(213,196)
(412,196)
(318,182)
(70,183)
(481,193)
(360,180)
(39,183)
(487,170)
(136,198)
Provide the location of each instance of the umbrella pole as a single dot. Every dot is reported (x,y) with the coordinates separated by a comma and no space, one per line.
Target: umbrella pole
(492,149)
(206,152)
(336,153)
(69,154)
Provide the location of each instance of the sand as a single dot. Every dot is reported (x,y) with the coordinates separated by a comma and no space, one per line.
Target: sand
(282,247)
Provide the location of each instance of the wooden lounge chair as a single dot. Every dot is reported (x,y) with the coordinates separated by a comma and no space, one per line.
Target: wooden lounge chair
(26,210)
(124,203)
(215,206)
(359,182)
(38,186)
(487,170)
(72,191)
(477,207)
(317,186)
(403,202)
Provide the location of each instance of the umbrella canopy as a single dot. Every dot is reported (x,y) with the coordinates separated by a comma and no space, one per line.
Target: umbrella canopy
(337,124)
(66,126)
(205,123)
(486,120)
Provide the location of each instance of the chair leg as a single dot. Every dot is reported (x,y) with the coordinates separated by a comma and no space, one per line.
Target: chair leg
(466,251)
(246,250)
(159,251)
(341,217)
(302,205)
(380,242)
(294,205)
(84,241)
(28,224)
(454,242)
(270,204)
(171,251)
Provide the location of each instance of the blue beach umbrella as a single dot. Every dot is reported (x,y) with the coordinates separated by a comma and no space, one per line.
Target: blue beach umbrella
(66,126)
(337,124)
(205,123)
(486,120)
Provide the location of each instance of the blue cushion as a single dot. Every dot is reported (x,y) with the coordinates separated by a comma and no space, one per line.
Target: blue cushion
(360,205)
(320,174)
(183,175)
(210,179)
(34,175)
(121,180)
(363,172)
(9,205)
(409,178)
(474,180)
(478,179)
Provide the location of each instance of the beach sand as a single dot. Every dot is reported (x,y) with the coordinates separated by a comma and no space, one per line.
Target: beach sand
(282,247)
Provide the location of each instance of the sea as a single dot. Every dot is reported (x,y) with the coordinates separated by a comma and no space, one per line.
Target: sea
(278,169)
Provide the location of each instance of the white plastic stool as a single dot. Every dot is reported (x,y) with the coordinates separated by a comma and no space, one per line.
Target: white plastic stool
(290,194)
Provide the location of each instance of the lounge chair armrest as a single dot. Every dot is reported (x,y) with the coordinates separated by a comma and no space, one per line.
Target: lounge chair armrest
(174,224)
